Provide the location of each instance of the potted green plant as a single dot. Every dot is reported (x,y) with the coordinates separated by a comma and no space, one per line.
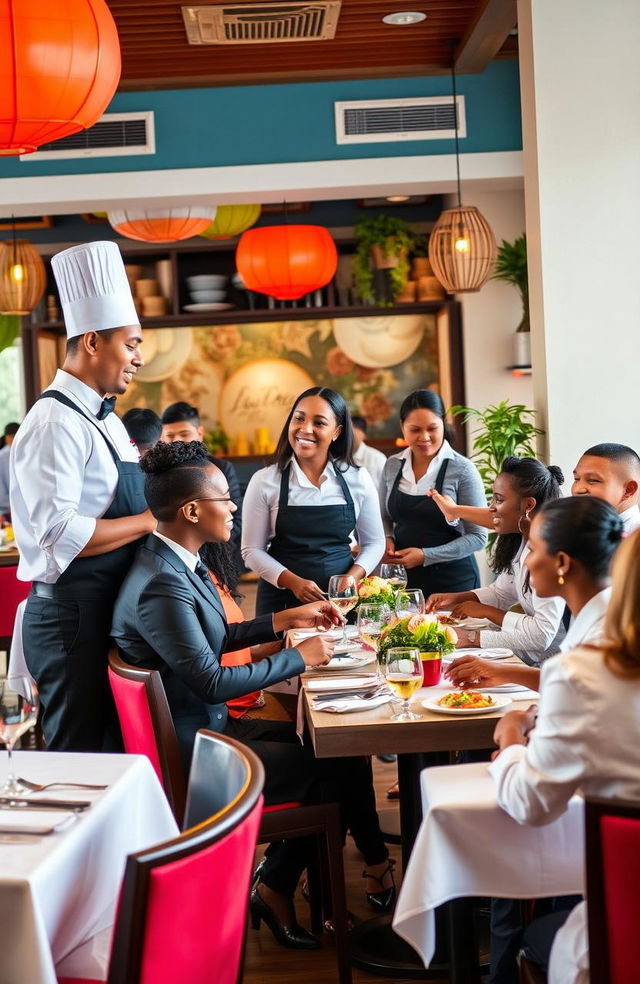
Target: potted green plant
(503,430)
(422,632)
(511,267)
(217,440)
(383,244)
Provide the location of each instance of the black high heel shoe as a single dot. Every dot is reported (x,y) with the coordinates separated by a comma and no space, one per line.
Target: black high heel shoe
(294,937)
(385,899)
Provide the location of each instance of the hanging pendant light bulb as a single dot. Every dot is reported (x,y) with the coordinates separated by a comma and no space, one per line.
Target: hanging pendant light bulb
(462,246)
(22,276)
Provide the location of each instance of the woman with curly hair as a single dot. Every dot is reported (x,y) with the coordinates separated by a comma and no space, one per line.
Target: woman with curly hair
(301,510)
(169,617)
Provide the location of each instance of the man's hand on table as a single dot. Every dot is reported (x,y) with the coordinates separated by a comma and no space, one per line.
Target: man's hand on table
(514,728)
(316,651)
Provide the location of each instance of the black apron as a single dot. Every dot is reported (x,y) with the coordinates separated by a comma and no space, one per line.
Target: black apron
(311,541)
(66,628)
(418,522)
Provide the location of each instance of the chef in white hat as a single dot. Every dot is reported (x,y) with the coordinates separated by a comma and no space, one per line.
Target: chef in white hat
(78,504)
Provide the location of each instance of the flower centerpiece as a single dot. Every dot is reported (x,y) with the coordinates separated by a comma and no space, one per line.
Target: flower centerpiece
(422,632)
(374,590)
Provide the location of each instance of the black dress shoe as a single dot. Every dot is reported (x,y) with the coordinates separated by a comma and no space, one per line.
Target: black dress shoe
(383,900)
(295,937)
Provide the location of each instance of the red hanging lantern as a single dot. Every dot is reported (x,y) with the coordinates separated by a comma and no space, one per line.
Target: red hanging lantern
(288,261)
(162,225)
(59,70)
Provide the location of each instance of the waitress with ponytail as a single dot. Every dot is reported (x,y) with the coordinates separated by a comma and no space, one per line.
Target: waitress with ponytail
(301,510)
(438,555)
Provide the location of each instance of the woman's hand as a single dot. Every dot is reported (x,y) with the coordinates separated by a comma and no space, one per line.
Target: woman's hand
(316,615)
(316,651)
(409,557)
(389,552)
(467,638)
(306,590)
(471,671)
(469,609)
(442,602)
(514,728)
(447,506)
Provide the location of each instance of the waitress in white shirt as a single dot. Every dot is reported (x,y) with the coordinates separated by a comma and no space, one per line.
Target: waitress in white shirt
(571,544)
(301,510)
(77,501)
(522,486)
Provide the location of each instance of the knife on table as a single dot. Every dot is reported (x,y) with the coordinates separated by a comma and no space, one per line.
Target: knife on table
(15,803)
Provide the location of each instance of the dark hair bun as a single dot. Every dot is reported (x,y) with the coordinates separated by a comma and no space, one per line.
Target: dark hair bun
(557,473)
(616,532)
(163,456)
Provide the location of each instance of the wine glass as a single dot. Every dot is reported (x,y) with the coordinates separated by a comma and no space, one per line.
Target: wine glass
(343,595)
(402,668)
(395,574)
(19,704)
(409,601)
(371,621)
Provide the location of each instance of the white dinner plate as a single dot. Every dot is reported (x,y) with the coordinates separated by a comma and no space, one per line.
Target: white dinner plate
(504,688)
(346,662)
(498,703)
(213,306)
(482,653)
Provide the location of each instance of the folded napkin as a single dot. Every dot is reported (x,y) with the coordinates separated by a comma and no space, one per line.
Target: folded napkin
(481,653)
(342,705)
(337,683)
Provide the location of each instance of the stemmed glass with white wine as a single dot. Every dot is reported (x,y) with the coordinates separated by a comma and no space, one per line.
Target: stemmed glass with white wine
(343,595)
(409,601)
(402,669)
(371,621)
(19,704)
(395,574)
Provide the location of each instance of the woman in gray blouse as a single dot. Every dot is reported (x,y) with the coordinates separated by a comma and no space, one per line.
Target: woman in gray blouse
(438,555)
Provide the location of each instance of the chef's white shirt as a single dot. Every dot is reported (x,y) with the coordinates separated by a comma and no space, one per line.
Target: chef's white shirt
(371,459)
(583,740)
(536,631)
(260,511)
(63,478)
(588,625)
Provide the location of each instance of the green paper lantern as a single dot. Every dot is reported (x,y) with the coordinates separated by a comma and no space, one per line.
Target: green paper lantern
(231,220)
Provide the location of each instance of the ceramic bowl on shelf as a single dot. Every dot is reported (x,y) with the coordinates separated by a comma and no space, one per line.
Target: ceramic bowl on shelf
(208,296)
(153,307)
(207,281)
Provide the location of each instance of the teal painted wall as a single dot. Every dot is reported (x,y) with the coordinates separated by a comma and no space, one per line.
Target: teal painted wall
(271,124)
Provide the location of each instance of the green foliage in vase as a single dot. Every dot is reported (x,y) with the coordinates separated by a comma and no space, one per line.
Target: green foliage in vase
(511,267)
(504,429)
(9,330)
(217,440)
(395,238)
(422,632)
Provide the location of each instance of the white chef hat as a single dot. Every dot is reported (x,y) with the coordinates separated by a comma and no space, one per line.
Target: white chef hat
(94,290)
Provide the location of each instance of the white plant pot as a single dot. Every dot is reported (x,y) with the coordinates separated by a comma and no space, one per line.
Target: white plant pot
(522,348)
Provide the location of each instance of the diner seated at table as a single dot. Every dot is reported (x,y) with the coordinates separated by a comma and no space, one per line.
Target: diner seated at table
(583,738)
(571,544)
(168,616)
(523,485)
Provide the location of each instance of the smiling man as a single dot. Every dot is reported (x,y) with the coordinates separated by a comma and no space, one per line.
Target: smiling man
(611,472)
(77,500)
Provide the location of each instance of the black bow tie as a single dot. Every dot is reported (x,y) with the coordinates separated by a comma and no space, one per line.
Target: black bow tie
(106,407)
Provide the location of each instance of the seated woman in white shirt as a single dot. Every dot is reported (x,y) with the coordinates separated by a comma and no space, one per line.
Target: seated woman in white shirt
(571,545)
(584,738)
(522,486)
(300,511)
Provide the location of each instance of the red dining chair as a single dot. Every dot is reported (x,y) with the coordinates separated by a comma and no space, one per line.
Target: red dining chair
(147,729)
(12,592)
(183,904)
(612,848)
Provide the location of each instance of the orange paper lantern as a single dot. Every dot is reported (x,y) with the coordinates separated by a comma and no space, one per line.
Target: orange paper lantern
(158,225)
(59,69)
(286,262)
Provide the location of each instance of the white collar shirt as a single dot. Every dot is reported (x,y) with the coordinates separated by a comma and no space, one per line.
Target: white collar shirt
(538,630)
(371,459)
(408,482)
(4,479)
(190,560)
(260,511)
(631,519)
(63,477)
(588,625)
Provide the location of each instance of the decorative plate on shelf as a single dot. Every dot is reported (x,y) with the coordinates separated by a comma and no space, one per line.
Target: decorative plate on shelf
(212,306)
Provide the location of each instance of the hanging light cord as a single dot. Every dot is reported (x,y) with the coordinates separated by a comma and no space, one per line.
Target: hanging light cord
(455,111)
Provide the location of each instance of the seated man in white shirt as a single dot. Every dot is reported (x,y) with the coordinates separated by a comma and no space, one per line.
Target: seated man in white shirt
(10,432)
(611,472)
(363,455)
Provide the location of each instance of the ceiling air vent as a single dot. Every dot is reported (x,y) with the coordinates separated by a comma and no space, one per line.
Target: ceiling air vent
(266,23)
(114,135)
(387,120)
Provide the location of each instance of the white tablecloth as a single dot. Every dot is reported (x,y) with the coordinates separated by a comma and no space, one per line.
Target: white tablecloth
(59,892)
(468,846)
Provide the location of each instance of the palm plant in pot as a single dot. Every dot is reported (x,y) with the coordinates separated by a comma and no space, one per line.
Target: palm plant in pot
(511,267)
(384,243)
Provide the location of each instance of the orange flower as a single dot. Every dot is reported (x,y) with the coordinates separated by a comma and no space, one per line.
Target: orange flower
(376,408)
(338,363)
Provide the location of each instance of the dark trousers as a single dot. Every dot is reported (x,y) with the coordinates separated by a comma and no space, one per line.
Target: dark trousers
(508,935)
(292,773)
(66,645)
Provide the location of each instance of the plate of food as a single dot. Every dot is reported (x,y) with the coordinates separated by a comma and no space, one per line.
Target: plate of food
(467,702)
(446,618)
(347,661)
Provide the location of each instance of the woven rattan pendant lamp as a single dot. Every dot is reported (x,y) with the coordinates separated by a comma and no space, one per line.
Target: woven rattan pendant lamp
(462,246)
(22,276)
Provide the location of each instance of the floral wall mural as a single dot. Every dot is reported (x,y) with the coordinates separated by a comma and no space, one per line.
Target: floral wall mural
(244,377)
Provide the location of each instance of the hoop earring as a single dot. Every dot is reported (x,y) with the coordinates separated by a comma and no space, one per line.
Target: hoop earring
(525,516)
